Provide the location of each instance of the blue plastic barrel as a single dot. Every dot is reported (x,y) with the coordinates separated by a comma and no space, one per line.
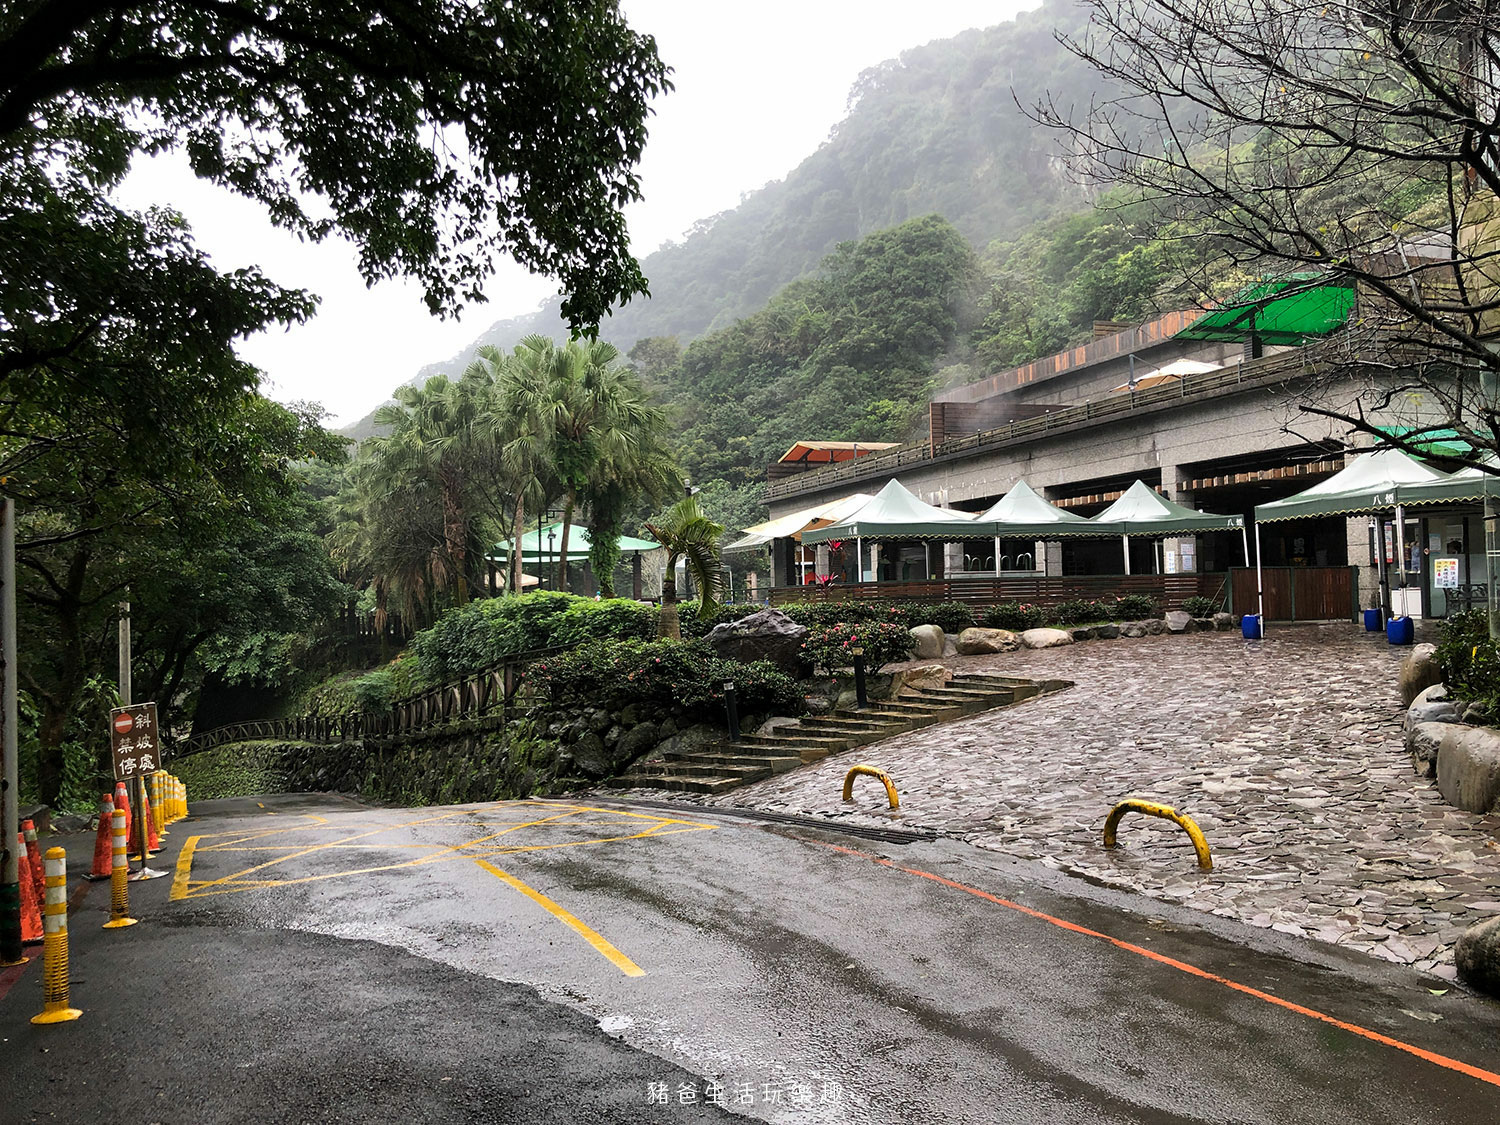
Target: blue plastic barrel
(1250,627)
(1400,631)
(1372,621)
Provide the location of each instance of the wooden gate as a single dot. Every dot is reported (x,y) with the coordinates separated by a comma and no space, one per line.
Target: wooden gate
(1298,593)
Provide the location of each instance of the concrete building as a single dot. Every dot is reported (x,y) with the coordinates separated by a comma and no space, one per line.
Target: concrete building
(1202,406)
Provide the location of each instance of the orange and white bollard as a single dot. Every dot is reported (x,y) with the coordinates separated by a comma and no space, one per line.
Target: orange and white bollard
(119,898)
(55,1007)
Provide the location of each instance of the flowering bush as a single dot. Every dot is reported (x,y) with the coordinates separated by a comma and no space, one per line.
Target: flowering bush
(831,646)
(1135,607)
(668,673)
(1015,616)
(1201,607)
(1080,610)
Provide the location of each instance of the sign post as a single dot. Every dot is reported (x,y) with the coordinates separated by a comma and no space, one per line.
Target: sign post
(136,752)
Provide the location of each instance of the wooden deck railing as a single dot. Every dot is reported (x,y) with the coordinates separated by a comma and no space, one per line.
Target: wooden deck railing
(492,691)
(1170,590)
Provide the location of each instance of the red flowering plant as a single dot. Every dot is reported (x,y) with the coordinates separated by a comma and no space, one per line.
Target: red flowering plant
(831,646)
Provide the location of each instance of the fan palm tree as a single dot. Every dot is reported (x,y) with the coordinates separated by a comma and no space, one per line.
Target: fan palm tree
(692,538)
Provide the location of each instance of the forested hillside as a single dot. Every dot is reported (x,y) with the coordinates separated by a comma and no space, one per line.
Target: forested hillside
(935,131)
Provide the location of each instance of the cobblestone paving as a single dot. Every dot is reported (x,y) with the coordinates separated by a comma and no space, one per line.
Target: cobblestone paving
(1287,752)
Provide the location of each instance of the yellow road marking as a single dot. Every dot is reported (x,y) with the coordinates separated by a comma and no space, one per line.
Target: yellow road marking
(184,868)
(615,957)
(354,837)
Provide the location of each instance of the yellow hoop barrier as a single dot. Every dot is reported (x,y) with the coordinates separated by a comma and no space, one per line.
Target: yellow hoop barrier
(871,771)
(1200,845)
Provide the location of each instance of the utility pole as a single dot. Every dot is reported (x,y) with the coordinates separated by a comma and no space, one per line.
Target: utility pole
(10,872)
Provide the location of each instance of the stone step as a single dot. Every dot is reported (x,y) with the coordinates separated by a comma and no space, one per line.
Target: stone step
(681,768)
(788,757)
(646,780)
(984,692)
(857,728)
(795,734)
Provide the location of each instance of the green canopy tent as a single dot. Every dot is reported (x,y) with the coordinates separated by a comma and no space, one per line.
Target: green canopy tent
(539,547)
(1024,514)
(1288,310)
(1369,484)
(1141,510)
(894,513)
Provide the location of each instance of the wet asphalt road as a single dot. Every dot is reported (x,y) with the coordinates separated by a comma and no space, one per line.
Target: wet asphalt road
(338,963)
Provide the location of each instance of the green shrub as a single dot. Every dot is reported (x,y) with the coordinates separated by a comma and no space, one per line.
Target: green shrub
(1078,611)
(814,614)
(1469,659)
(1015,616)
(1200,607)
(950,617)
(1135,607)
(481,634)
(828,646)
(668,673)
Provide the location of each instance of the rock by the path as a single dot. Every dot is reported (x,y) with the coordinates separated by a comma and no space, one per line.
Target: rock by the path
(1133,629)
(1432,706)
(1178,622)
(974,641)
(928,642)
(1224,622)
(1478,714)
(1084,633)
(1154,627)
(635,742)
(1202,625)
(767,634)
(691,740)
(1468,768)
(590,756)
(920,676)
(1046,638)
(1422,742)
(1477,956)
(1419,671)
(1106,632)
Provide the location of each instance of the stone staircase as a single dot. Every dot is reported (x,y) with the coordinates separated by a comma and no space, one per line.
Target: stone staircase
(814,737)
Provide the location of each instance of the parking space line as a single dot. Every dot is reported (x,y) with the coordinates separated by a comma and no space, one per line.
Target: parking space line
(1192,970)
(615,957)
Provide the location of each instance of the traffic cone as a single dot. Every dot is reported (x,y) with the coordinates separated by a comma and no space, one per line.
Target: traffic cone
(159,804)
(31,902)
(33,856)
(153,842)
(122,801)
(103,844)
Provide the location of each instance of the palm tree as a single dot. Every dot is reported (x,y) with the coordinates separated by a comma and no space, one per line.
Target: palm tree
(608,442)
(432,435)
(693,538)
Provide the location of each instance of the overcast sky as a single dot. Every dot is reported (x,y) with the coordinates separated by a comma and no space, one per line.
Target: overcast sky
(758,87)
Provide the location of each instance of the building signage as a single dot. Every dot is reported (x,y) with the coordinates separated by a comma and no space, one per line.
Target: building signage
(1445,574)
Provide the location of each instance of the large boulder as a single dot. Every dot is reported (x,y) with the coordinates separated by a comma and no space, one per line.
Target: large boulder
(1433,706)
(1419,671)
(1133,629)
(590,757)
(929,641)
(1468,768)
(767,634)
(1477,956)
(635,742)
(1106,632)
(974,641)
(1178,621)
(1224,622)
(1046,638)
(691,740)
(920,677)
(1422,742)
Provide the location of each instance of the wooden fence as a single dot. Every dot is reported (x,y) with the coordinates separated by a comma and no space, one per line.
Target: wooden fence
(1298,593)
(1170,590)
(491,692)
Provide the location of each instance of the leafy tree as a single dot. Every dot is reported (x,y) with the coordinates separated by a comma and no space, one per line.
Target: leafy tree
(1356,141)
(436,135)
(688,537)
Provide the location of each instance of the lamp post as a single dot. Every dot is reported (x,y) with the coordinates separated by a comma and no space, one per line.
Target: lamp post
(731,710)
(551,540)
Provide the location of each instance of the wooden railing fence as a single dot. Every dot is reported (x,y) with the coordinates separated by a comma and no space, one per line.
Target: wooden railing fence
(493,691)
(1170,590)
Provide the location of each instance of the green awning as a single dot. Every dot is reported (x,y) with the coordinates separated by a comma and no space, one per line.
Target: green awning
(1022,514)
(1285,310)
(1141,510)
(1467,486)
(895,513)
(1373,482)
(1431,442)
(535,547)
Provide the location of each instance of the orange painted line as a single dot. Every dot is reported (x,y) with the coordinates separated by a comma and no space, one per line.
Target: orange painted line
(1192,970)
